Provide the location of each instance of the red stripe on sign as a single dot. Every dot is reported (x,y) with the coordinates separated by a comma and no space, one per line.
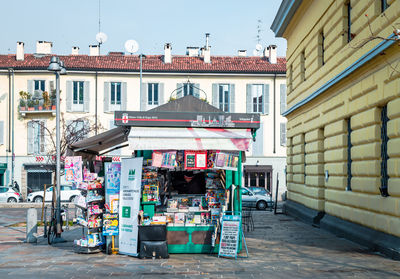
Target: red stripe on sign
(160,120)
(180,120)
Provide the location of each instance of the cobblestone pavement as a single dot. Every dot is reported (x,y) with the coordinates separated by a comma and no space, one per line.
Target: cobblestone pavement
(279,247)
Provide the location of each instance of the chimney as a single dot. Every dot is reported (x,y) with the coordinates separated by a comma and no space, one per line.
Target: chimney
(242,53)
(272,54)
(266,52)
(75,50)
(207,50)
(20,51)
(192,51)
(167,53)
(43,47)
(94,50)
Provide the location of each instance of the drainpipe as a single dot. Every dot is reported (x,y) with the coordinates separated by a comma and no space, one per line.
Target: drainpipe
(274,151)
(95,106)
(11,121)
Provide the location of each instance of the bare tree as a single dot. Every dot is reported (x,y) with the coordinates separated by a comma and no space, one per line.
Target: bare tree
(71,131)
(373,37)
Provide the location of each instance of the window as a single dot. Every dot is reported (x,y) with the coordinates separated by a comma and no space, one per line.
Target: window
(283,97)
(152,94)
(188,89)
(349,35)
(303,65)
(115,98)
(39,85)
(349,161)
(246,192)
(184,89)
(37,180)
(321,49)
(224,97)
(258,176)
(257,97)
(283,134)
(36,137)
(1,132)
(291,77)
(384,154)
(384,5)
(78,93)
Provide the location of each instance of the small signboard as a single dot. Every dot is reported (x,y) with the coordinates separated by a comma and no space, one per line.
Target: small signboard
(110,224)
(195,160)
(229,242)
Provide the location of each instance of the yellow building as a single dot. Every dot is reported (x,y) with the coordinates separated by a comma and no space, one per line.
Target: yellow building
(343,133)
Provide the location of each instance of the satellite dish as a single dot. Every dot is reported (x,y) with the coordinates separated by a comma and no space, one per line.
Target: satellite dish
(101,38)
(131,46)
(255,52)
(258,47)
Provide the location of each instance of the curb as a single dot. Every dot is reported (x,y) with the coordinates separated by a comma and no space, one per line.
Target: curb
(32,205)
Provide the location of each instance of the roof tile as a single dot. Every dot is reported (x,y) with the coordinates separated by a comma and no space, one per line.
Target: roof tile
(152,63)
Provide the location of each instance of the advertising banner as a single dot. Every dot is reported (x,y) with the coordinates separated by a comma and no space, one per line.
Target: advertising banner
(73,169)
(129,204)
(113,184)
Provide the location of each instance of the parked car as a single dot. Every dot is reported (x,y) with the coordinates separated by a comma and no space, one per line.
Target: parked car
(8,194)
(66,192)
(256,197)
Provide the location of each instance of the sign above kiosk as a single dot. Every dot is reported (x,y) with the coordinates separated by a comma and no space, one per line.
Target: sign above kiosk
(187,119)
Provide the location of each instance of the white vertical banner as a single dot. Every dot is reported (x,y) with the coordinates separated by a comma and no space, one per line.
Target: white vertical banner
(129,203)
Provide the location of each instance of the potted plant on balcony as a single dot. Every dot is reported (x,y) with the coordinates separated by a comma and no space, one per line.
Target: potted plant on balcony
(46,100)
(23,101)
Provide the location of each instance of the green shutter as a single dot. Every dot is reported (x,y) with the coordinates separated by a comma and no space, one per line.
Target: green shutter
(266,99)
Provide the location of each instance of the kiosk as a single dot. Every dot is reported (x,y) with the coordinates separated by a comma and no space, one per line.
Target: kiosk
(212,144)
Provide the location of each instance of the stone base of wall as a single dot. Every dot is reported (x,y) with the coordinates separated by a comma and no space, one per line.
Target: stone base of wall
(386,244)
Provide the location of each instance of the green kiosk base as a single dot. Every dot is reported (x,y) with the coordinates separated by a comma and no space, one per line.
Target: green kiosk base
(190,239)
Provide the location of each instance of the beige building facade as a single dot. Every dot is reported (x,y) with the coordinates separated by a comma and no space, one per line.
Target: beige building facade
(97,85)
(343,117)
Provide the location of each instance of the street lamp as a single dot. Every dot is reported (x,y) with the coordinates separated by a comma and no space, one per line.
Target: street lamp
(57,67)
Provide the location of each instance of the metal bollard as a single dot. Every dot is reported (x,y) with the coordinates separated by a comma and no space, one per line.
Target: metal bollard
(31,225)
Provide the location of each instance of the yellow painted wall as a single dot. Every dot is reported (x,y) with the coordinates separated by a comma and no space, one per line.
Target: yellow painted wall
(318,131)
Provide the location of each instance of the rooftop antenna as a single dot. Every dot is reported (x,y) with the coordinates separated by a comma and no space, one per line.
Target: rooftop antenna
(101,37)
(258,49)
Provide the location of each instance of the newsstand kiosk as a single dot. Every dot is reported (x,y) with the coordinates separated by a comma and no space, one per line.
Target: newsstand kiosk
(192,167)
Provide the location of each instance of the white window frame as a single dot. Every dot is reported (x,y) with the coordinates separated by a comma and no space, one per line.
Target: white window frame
(115,104)
(256,95)
(151,94)
(224,104)
(77,106)
(41,83)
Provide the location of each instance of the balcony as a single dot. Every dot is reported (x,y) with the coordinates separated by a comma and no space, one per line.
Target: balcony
(38,103)
(37,109)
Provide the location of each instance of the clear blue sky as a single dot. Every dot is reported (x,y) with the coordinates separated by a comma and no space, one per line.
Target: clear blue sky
(67,23)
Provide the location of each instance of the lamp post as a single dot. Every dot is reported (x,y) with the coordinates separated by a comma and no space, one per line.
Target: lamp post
(57,67)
